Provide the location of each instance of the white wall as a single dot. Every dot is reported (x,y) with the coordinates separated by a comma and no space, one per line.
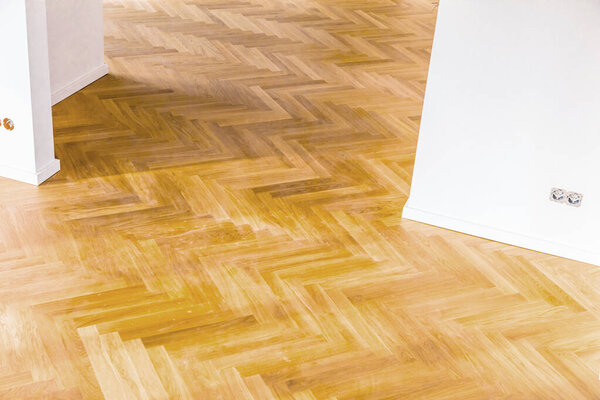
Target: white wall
(512,109)
(76,45)
(26,153)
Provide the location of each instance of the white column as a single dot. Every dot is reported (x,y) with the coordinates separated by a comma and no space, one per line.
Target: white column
(27,152)
(512,110)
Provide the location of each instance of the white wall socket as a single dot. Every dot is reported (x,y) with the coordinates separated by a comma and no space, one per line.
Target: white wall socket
(573,199)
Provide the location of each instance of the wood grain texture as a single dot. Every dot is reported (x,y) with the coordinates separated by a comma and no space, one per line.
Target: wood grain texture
(227,225)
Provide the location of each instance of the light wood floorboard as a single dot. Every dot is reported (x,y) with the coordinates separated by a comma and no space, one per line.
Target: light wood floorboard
(227,225)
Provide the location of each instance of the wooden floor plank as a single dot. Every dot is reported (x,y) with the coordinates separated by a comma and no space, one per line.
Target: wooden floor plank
(227,225)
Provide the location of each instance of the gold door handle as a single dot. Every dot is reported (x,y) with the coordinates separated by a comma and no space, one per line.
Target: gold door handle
(8,124)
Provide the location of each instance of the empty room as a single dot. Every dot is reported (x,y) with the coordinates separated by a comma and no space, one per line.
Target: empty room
(300,199)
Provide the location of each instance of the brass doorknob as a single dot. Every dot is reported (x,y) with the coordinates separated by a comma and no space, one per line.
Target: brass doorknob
(8,124)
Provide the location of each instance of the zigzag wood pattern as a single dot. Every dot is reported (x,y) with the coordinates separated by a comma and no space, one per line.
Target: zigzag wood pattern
(227,225)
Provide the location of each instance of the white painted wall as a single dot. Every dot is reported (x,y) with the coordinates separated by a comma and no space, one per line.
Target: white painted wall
(26,153)
(513,109)
(76,45)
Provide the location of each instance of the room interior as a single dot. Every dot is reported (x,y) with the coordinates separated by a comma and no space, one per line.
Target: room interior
(308,199)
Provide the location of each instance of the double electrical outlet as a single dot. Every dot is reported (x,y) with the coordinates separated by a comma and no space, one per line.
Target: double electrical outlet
(570,198)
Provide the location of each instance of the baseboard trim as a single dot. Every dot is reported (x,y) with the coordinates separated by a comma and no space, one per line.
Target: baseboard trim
(33,178)
(79,83)
(498,235)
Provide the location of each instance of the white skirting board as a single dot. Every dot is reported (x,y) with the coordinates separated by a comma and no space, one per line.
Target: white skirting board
(79,83)
(31,177)
(498,235)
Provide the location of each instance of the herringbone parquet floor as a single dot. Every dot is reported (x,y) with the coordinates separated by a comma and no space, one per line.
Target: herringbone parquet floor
(227,225)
